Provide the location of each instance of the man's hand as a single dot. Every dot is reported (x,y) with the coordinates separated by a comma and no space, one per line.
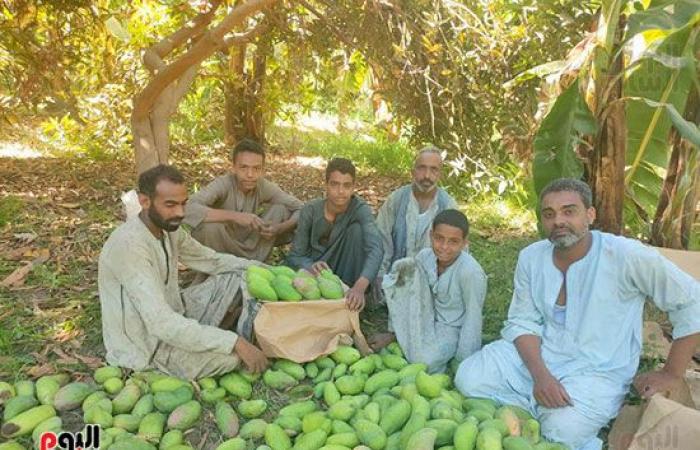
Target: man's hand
(270,231)
(381,340)
(355,298)
(249,220)
(549,392)
(650,383)
(317,267)
(251,356)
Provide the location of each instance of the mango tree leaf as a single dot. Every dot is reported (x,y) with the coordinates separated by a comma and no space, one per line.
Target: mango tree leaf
(557,137)
(117,29)
(648,126)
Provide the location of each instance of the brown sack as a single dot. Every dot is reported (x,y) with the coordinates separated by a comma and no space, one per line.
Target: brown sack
(303,331)
(667,425)
(659,424)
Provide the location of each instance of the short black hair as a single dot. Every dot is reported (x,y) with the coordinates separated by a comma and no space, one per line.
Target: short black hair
(149,179)
(569,185)
(453,218)
(342,165)
(247,145)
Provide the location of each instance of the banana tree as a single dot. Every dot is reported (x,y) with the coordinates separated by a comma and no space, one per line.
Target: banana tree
(621,121)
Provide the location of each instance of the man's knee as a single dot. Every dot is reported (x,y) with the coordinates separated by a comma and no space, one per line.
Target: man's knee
(276,214)
(208,233)
(571,427)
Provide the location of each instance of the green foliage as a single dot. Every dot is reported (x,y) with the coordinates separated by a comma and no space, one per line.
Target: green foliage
(558,137)
(658,76)
(367,153)
(648,124)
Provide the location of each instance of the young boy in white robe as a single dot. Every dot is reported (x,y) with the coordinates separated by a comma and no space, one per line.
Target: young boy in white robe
(435,299)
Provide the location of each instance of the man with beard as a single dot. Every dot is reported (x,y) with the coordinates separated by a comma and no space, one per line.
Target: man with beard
(339,232)
(147,322)
(435,299)
(405,217)
(243,213)
(573,337)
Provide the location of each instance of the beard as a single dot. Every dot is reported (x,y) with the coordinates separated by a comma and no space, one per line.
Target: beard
(566,240)
(168,225)
(424,186)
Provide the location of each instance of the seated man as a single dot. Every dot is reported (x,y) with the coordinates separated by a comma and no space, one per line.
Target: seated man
(435,298)
(242,213)
(339,232)
(147,322)
(405,217)
(573,337)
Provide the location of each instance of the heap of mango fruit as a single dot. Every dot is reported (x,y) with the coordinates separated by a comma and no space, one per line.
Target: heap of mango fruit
(341,401)
(275,283)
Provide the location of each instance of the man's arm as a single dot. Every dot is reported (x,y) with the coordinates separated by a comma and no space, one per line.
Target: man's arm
(675,292)
(524,328)
(355,297)
(548,391)
(673,372)
(204,259)
(300,254)
(200,208)
(139,277)
(273,194)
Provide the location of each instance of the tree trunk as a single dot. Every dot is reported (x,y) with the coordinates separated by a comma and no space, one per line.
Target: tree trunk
(154,105)
(234,95)
(607,165)
(676,211)
(244,92)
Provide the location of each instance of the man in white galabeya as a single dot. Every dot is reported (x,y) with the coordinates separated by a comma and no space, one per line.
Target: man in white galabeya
(573,337)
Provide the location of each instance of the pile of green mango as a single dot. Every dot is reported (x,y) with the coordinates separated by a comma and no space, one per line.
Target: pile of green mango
(275,283)
(337,402)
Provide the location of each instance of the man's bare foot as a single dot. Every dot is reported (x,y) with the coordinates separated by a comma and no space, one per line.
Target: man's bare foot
(381,340)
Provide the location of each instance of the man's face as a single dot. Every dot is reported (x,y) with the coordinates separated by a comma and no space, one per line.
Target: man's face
(565,219)
(447,242)
(426,172)
(248,168)
(339,189)
(167,207)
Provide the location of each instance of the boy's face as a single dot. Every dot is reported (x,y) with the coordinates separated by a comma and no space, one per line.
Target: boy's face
(339,189)
(447,242)
(248,168)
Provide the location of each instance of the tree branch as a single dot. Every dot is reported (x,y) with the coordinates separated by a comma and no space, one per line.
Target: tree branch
(153,56)
(245,38)
(204,47)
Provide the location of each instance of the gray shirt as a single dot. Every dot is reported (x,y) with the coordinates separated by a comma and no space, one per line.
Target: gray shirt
(314,235)
(223,193)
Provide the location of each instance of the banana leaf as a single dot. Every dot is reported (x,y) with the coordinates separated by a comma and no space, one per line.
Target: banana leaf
(558,136)
(660,86)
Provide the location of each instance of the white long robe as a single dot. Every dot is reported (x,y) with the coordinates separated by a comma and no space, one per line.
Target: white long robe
(595,354)
(436,318)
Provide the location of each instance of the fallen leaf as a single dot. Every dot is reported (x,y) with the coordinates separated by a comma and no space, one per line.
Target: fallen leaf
(69,205)
(40,371)
(63,357)
(92,362)
(17,277)
(25,237)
